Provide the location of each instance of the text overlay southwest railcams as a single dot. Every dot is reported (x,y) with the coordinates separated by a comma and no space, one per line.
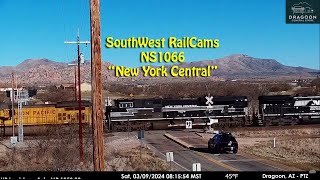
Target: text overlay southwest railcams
(162,57)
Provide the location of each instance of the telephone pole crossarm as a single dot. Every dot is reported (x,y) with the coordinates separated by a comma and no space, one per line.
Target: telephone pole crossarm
(76,42)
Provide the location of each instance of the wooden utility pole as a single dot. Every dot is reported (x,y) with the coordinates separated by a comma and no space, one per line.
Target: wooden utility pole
(12,103)
(79,102)
(96,83)
(75,81)
(78,42)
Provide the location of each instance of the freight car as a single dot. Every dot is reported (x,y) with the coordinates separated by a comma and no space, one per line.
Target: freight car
(47,114)
(285,109)
(148,113)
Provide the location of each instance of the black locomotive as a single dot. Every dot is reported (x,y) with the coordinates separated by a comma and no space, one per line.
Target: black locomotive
(221,111)
(231,111)
(285,109)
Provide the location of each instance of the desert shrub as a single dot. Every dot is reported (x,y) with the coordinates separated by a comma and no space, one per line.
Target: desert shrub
(306,92)
(58,150)
(56,95)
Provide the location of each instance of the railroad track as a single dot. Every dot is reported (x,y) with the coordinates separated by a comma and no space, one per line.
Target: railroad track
(164,126)
(255,128)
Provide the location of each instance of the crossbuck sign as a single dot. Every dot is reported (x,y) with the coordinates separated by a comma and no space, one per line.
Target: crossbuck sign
(209,100)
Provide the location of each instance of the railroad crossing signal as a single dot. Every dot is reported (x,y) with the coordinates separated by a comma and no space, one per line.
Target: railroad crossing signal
(188,124)
(209,100)
(196,167)
(169,156)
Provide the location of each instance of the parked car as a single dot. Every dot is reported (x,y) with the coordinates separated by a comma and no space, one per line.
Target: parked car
(223,142)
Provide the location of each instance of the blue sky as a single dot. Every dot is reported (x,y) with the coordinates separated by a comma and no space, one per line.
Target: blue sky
(37,29)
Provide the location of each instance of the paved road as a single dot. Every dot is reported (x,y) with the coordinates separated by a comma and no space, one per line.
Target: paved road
(184,158)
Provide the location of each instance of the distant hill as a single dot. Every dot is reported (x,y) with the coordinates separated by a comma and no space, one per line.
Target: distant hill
(243,66)
(237,66)
(44,71)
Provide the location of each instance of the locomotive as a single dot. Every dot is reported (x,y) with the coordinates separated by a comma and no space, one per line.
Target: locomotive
(60,113)
(285,109)
(217,112)
(227,111)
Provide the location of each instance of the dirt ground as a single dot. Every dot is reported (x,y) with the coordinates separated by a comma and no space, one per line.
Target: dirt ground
(297,147)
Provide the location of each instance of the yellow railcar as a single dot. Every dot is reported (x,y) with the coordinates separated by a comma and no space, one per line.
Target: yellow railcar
(47,114)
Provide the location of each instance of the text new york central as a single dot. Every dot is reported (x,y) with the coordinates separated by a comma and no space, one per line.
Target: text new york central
(175,71)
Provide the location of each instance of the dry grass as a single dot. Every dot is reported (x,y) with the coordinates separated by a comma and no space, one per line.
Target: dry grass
(264,133)
(301,153)
(298,147)
(134,161)
(59,151)
(55,152)
(123,154)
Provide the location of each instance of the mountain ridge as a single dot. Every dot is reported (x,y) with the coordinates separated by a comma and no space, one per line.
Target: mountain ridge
(235,66)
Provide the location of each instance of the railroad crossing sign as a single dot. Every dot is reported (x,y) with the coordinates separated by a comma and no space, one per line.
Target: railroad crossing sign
(131,95)
(209,100)
(169,156)
(196,167)
(188,124)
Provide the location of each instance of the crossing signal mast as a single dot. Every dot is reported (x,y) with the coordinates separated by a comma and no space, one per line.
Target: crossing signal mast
(13,138)
(20,126)
(20,96)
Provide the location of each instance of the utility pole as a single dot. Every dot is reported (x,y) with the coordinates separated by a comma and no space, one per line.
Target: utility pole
(78,42)
(12,103)
(96,83)
(75,81)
